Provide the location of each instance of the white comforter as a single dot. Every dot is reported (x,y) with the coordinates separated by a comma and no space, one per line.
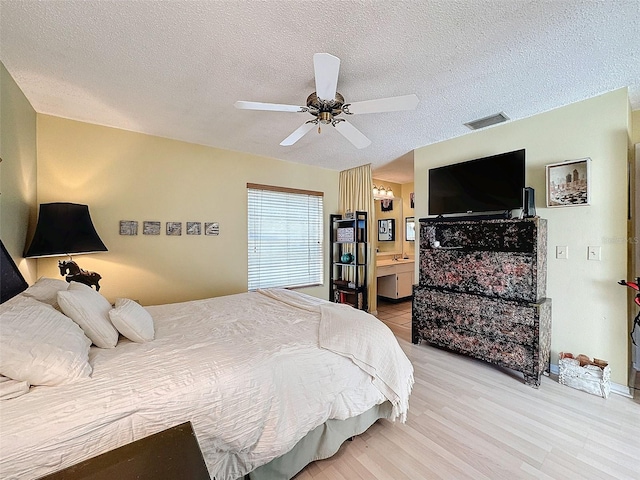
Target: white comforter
(245,369)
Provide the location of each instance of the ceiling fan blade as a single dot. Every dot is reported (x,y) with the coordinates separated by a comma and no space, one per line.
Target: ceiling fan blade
(326,68)
(390,104)
(274,107)
(298,134)
(352,134)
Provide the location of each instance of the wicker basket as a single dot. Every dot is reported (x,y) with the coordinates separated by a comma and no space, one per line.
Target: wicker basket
(592,376)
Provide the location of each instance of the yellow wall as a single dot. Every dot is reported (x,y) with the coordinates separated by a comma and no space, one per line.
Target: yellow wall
(17,171)
(123,175)
(635,132)
(589,308)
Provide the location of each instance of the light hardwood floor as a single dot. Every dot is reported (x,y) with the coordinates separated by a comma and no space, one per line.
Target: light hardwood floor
(469,419)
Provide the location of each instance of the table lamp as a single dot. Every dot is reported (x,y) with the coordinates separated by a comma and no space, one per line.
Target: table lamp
(66,229)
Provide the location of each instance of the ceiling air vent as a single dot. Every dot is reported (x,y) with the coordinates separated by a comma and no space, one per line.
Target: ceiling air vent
(487,121)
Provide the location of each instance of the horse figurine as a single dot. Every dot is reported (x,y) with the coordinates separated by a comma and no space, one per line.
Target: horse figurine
(77,274)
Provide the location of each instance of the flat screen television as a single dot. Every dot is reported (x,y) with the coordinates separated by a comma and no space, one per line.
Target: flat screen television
(489,184)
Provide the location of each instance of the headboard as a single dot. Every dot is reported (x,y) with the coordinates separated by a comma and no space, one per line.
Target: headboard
(11,280)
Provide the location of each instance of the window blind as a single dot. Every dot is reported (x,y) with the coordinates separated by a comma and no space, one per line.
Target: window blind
(285,241)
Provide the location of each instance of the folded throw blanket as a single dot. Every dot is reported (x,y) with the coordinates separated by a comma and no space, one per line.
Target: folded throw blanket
(368,342)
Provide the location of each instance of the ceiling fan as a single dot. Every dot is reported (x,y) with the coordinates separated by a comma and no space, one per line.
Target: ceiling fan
(325,104)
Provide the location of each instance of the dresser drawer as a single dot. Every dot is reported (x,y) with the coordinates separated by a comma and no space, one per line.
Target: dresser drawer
(497,258)
(503,235)
(477,316)
(512,276)
(522,358)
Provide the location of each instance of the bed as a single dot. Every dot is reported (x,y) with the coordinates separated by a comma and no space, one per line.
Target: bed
(270,380)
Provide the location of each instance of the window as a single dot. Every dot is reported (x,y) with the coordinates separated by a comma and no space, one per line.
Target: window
(284,236)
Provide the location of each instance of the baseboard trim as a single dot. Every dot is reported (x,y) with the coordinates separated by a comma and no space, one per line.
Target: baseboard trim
(616,388)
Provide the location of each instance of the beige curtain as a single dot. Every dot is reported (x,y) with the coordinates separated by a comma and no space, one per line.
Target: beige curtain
(355,194)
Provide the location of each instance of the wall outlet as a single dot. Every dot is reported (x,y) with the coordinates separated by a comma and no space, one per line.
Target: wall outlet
(593,253)
(562,252)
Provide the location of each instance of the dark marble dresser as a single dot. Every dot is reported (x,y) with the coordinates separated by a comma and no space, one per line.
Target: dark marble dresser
(482,290)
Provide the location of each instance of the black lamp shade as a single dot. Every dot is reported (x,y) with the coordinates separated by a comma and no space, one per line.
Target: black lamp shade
(64,229)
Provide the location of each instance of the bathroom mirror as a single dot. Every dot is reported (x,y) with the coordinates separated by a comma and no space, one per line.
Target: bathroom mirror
(390,209)
(410,229)
(386,230)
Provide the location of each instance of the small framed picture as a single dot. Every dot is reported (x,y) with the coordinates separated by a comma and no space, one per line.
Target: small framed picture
(194,228)
(568,183)
(128,227)
(174,228)
(211,228)
(150,228)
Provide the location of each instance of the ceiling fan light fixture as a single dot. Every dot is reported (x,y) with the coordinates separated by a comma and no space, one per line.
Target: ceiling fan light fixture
(326,104)
(325,117)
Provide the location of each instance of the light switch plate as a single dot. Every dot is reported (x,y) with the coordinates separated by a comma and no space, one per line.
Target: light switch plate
(593,253)
(562,252)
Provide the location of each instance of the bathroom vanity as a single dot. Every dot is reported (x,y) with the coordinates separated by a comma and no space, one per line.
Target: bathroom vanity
(395,278)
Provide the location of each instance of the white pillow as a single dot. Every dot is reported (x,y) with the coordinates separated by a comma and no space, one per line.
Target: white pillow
(90,310)
(132,320)
(41,346)
(46,290)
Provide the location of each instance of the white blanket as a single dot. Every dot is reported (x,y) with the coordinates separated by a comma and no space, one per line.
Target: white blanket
(365,340)
(245,369)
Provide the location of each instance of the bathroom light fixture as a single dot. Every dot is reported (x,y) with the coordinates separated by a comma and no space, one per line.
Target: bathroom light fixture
(381,192)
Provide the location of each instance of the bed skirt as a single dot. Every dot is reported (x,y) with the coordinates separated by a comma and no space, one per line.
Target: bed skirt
(320,443)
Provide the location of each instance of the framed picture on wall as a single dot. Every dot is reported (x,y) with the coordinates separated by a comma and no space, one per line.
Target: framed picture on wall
(128,227)
(174,228)
(194,228)
(386,229)
(386,205)
(568,183)
(410,229)
(150,228)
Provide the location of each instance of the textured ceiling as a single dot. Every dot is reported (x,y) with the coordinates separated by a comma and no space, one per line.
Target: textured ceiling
(175,68)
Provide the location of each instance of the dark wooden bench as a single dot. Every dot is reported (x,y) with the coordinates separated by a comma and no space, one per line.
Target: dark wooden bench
(173,454)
